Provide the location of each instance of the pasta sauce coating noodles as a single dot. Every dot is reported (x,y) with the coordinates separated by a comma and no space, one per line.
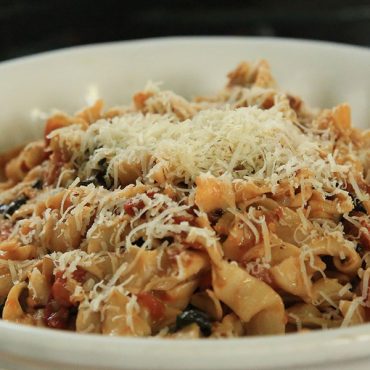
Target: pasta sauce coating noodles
(243,213)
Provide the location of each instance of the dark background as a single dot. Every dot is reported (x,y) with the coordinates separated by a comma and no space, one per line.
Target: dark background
(30,26)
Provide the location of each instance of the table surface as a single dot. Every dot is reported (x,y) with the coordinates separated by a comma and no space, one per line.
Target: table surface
(27,27)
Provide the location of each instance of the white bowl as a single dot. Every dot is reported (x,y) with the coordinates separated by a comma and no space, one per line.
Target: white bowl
(323,74)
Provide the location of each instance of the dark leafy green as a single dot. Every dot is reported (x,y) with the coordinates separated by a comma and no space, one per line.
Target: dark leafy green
(9,209)
(37,184)
(192,315)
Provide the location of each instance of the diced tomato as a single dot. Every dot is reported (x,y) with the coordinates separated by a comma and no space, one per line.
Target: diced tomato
(131,205)
(56,316)
(178,219)
(191,211)
(151,194)
(268,102)
(205,281)
(59,291)
(155,307)
(59,275)
(79,274)
(163,296)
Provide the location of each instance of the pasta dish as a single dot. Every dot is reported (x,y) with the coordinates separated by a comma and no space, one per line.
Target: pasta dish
(242,213)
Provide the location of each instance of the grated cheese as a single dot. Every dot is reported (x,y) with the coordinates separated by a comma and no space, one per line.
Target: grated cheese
(352,310)
(328,299)
(346,288)
(262,144)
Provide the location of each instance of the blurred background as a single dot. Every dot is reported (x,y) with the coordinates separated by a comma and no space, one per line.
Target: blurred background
(30,26)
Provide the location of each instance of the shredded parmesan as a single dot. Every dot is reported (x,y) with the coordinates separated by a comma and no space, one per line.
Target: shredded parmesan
(263,144)
(346,288)
(352,310)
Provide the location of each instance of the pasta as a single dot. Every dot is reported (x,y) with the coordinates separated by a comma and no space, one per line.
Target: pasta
(243,213)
